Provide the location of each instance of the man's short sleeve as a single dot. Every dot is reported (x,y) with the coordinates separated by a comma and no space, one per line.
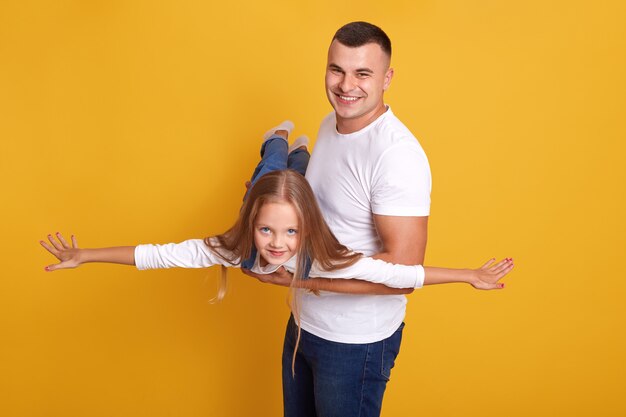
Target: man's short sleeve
(401,184)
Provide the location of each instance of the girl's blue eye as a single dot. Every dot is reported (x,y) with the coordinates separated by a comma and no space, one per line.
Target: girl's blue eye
(264,229)
(292,231)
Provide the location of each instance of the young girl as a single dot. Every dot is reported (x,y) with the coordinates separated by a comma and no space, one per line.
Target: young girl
(281,218)
(279,224)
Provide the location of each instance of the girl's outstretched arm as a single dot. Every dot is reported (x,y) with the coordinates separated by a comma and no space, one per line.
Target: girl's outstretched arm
(486,277)
(283,278)
(72,256)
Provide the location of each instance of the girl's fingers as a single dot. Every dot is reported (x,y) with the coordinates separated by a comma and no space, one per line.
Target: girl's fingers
(495,286)
(62,240)
(502,265)
(74,242)
(505,271)
(60,265)
(53,267)
(56,244)
(48,247)
(487,263)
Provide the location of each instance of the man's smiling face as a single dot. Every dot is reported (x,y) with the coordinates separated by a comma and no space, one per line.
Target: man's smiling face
(356,79)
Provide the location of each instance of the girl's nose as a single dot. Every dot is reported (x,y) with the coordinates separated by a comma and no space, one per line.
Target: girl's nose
(276,241)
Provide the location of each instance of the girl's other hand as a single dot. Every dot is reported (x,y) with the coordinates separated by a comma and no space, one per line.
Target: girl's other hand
(69,256)
(487,276)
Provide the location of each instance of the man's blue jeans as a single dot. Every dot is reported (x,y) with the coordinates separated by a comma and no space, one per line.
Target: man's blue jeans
(336,379)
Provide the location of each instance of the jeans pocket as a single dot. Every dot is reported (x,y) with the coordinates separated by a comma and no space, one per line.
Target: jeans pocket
(390,350)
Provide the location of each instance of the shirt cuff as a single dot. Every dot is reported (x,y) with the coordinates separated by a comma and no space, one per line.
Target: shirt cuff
(420,276)
(403,211)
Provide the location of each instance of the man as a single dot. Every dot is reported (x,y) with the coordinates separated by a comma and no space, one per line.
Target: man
(372,181)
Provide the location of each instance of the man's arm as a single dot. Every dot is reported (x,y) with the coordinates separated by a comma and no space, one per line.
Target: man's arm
(403,239)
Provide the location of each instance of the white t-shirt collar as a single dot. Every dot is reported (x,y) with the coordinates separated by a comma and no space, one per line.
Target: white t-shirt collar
(366,128)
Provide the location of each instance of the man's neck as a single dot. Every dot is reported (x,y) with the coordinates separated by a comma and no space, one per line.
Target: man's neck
(347,126)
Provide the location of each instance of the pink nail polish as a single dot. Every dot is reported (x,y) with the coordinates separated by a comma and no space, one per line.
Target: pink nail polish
(45,268)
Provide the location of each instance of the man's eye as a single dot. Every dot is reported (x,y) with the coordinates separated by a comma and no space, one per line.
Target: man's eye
(362,75)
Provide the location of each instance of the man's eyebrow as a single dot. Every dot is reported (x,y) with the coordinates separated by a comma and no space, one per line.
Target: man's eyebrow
(359,70)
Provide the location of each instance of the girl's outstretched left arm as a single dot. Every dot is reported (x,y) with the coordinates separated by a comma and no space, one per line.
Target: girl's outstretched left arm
(414,276)
(486,277)
(283,278)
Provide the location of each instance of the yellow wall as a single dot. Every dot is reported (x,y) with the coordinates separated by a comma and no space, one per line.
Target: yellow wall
(138,121)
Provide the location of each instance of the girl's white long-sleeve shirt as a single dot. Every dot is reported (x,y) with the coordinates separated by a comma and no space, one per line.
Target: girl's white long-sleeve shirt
(194,253)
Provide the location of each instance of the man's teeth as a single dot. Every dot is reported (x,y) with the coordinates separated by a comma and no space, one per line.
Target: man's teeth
(349,98)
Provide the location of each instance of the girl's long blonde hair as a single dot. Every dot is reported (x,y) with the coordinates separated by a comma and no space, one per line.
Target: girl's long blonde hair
(317,242)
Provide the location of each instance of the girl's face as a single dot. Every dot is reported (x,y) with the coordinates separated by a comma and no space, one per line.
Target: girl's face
(276,232)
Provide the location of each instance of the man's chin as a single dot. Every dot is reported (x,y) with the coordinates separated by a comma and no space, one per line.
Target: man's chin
(347,114)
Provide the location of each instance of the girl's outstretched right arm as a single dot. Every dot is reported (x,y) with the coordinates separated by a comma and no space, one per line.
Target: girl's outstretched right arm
(72,256)
(192,253)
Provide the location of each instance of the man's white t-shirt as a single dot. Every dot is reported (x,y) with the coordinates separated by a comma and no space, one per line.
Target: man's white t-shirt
(381,169)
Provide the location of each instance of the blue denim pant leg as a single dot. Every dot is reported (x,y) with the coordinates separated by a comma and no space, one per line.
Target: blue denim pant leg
(273,158)
(298,160)
(336,379)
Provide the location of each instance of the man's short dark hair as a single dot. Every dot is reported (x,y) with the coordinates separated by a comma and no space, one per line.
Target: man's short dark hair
(357,34)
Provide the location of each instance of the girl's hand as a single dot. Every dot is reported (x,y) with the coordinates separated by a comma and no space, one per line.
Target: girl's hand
(69,256)
(487,276)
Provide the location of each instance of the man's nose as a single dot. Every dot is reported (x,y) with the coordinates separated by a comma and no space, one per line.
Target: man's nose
(347,83)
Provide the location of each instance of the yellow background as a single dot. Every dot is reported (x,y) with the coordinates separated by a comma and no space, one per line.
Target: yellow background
(138,121)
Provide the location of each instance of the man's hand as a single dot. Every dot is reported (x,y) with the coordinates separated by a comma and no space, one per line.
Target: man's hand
(279,277)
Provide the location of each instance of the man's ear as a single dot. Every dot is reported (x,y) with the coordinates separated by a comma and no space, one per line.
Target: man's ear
(388,77)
